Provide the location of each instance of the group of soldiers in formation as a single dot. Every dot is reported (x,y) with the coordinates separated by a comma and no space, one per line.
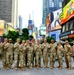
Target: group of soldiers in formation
(30,53)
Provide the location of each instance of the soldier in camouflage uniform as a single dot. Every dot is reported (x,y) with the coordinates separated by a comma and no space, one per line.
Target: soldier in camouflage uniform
(9,54)
(1,48)
(45,47)
(22,55)
(26,44)
(59,54)
(4,53)
(30,50)
(73,51)
(67,55)
(52,53)
(33,43)
(38,54)
(16,53)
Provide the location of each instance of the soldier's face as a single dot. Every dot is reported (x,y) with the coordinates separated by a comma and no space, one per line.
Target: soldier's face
(66,43)
(18,41)
(5,40)
(10,41)
(45,41)
(59,43)
(38,42)
(23,42)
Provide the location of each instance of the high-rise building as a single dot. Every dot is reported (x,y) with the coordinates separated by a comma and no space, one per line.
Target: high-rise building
(49,6)
(9,11)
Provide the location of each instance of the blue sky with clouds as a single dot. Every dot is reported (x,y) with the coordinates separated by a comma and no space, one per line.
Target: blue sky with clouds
(33,7)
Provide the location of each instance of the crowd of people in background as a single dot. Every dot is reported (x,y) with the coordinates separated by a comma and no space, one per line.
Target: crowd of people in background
(29,54)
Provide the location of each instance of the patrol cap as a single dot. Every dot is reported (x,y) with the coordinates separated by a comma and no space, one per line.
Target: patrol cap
(66,41)
(18,39)
(52,40)
(10,39)
(5,39)
(23,40)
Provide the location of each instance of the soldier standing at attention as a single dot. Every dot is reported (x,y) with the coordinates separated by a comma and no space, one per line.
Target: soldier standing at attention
(33,43)
(4,53)
(53,47)
(9,54)
(1,48)
(22,55)
(30,50)
(38,54)
(16,53)
(45,47)
(59,54)
(67,48)
(26,45)
(73,51)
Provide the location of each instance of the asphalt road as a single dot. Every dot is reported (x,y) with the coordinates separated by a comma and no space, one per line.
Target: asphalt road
(40,71)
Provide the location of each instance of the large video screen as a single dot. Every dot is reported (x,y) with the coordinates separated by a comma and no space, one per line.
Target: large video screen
(43,30)
(68,12)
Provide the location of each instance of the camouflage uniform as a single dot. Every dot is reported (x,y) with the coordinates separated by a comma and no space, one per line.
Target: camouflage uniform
(22,56)
(1,49)
(4,53)
(59,55)
(16,55)
(30,50)
(73,51)
(52,54)
(67,55)
(38,54)
(45,54)
(9,55)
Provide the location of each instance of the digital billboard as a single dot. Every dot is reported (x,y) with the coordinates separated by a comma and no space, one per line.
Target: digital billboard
(56,22)
(43,30)
(1,27)
(68,12)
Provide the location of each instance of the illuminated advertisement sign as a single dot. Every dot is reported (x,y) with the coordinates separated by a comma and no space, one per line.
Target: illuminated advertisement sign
(68,12)
(43,30)
(1,27)
(56,22)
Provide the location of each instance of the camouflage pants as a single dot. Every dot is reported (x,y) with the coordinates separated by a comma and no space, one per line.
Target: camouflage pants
(45,59)
(68,61)
(60,60)
(30,59)
(0,53)
(22,60)
(52,59)
(9,58)
(16,60)
(37,59)
(4,58)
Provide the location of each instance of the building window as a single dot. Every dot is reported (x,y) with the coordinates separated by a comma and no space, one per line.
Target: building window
(63,28)
(71,25)
(60,4)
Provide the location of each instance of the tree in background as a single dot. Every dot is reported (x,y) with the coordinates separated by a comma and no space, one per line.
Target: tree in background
(12,34)
(49,38)
(25,34)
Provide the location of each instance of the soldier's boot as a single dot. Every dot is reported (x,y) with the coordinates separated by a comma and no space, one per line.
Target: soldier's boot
(37,67)
(44,66)
(23,69)
(51,67)
(40,66)
(60,67)
(16,68)
(69,68)
(30,67)
(7,67)
(10,67)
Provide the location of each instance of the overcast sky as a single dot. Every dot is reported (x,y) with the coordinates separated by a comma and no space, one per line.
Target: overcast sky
(33,7)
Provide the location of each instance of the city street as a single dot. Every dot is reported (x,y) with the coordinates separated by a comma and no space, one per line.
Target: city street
(41,71)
